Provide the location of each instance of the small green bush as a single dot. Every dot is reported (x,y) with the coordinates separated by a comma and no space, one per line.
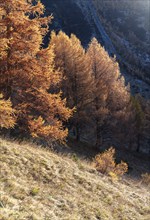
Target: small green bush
(34,191)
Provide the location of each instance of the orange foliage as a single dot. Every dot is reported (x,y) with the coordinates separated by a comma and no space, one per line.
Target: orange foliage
(111,97)
(7,114)
(77,82)
(105,163)
(27,70)
(52,132)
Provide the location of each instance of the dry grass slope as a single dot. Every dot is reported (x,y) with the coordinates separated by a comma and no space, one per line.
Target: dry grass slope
(37,184)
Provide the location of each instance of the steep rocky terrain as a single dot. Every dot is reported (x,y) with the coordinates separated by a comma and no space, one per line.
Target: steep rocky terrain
(128,25)
(78,17)
(82,18)
(38,184)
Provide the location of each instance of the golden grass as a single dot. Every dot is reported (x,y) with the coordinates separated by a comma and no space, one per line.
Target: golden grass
(37,184)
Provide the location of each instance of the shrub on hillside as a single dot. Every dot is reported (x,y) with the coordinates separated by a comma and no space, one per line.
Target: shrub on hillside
(105,163)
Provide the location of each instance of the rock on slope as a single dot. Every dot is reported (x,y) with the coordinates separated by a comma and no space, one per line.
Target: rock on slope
(38,184)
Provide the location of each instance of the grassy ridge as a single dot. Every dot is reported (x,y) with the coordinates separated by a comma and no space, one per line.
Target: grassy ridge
(38,184)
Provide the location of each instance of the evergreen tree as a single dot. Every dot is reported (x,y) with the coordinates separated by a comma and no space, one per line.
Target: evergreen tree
(139,116)
(27,70)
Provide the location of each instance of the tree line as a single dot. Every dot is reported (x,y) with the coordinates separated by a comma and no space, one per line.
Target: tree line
(47,91)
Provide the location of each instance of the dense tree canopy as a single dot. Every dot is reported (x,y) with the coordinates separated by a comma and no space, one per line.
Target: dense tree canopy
(27,70)
(111,97)
(77,82)
(45,90)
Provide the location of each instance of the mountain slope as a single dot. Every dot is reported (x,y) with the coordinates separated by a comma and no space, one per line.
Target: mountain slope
(38,184)
(69,18)
(82,18)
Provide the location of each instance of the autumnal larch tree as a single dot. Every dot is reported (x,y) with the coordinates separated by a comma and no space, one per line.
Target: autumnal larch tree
(7,116)
(27,70)
(111,97)
(77,82)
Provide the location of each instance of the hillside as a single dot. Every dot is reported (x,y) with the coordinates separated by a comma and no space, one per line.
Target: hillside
(39,184)
(127,24)
(87,19)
